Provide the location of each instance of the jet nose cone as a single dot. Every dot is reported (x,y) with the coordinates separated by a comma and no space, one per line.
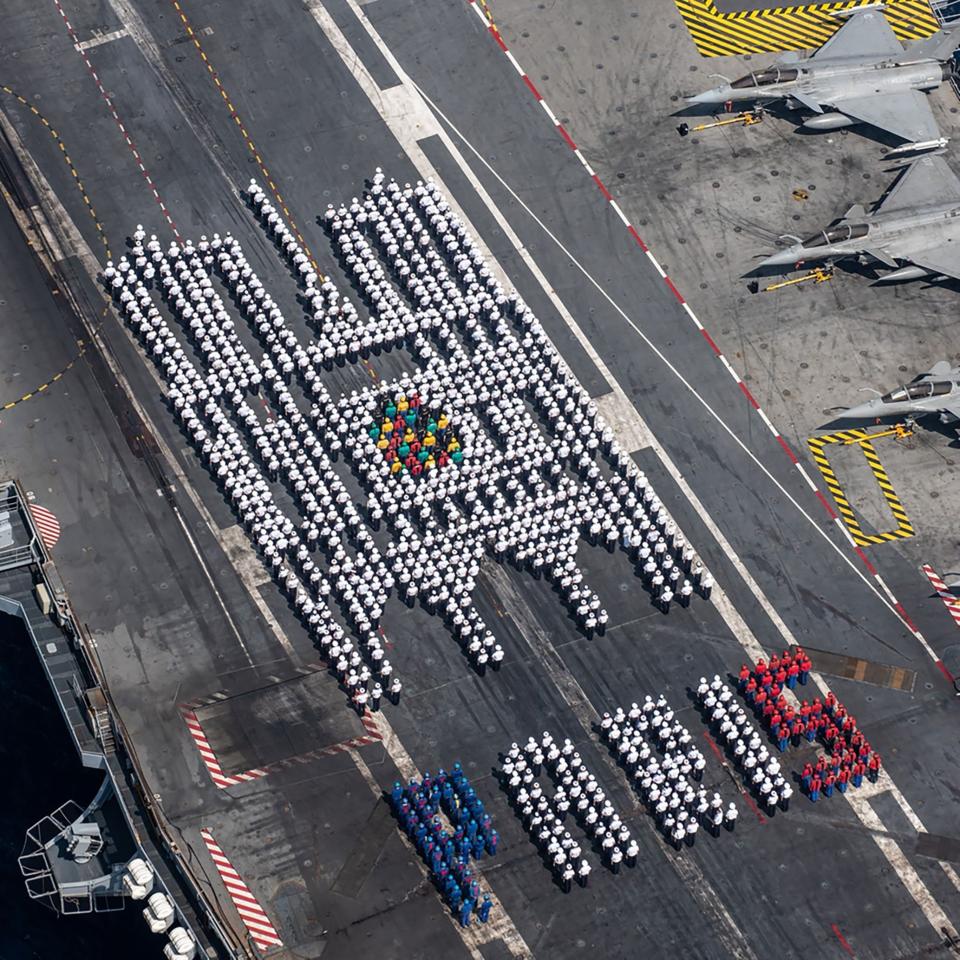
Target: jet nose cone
(709,96)
(782,258)
(863,411)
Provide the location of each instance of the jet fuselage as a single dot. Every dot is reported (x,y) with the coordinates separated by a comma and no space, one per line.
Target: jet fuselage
(831,82)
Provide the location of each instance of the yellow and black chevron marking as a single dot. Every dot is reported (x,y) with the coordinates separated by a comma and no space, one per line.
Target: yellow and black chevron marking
(719,34)
(862,439)
(82,346)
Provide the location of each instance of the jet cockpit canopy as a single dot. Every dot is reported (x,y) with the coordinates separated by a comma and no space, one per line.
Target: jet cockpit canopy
(765,78)
(919,391)
(837,234)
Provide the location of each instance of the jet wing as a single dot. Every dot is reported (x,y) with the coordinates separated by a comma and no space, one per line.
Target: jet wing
(906,114)
(927,180)
(944,258)
(865,36)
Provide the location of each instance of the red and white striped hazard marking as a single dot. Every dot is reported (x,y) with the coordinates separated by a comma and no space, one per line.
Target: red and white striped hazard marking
(482,11)
(950,600)
(48,526)
(262,931)
(221,779)
(224,780)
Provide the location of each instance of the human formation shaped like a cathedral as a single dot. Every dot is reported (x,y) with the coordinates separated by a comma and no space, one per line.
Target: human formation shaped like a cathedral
(523,468)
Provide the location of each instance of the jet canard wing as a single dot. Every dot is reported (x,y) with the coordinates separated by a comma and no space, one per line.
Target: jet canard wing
(865,36)
(905,114)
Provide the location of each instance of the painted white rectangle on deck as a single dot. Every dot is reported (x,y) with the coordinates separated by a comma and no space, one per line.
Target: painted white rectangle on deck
(100,38)
(622,417)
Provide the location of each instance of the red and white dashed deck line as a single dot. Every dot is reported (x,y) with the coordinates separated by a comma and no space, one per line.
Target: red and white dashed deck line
(48,526)
(210,761)
(262,931)
(481,12)
(223,780)
(82,50)
(950,600)
(372,735)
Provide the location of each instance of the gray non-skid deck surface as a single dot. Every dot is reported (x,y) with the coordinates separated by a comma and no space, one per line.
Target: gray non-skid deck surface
(310,839)
(278,722)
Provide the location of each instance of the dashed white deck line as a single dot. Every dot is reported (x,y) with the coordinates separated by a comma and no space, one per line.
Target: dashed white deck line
(253,916)
(891,850)
(895,607)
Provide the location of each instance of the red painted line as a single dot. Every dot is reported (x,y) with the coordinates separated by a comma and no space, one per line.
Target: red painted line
(843,940)
(113,110)
(903,613)
(749,396)
(674,290)
(636,236)
(495,33)
(533,89)
(713,745)
(716,349)
(826,505)
(566,136)
(711,341)
(786,449)
(603,189)
(752,805)
(719,753)
(945,671)
(866,561)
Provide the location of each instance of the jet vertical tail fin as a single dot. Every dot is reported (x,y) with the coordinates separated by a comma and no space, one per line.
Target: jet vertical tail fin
(938,47)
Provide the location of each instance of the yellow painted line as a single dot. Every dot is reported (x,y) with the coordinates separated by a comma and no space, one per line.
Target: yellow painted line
(249,142)
(101,233)
(787,28)
(23,101)
(904,528)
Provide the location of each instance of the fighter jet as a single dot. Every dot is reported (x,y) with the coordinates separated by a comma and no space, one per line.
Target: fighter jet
(863,74)
(936,391)
(914,230)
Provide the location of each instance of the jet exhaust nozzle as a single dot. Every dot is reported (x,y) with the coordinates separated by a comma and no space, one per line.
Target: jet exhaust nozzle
(910,272)
(828,121)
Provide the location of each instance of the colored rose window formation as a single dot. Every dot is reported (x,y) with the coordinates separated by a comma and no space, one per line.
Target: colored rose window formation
(413,438)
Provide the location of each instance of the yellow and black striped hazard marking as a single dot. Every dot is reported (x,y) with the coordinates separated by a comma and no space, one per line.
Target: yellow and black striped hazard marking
(769,30)
(40,389)
(861,439)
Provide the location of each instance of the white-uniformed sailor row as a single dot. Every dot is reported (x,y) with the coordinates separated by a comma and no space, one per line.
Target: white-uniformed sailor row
(507,487)
(732,728)
(576,790)
(285,446)
(533,478)
(670,785)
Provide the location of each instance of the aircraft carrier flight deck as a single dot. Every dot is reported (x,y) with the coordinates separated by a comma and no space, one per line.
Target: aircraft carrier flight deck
(350,332)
